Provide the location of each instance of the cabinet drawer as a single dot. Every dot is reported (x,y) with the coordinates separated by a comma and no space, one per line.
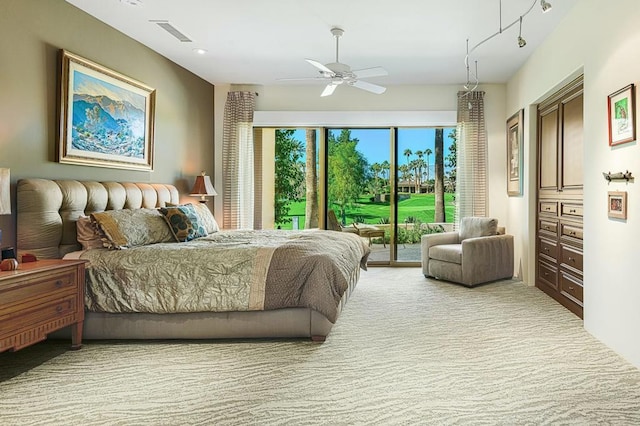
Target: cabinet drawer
(572,231)
(41,314)
(548,207)
(571,257)
(571,286)
(548,274)
(47,285)
(573,210)
(548,227)
(547,248)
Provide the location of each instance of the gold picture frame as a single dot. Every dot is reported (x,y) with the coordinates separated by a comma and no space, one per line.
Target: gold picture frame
(106,118)
(515,153)
(617,204)
(621,107)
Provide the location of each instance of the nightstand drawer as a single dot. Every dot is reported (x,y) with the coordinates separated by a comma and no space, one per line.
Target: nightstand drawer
(41,314)
(51,285)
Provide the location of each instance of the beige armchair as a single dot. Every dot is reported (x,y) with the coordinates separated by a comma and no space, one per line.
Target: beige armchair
(480,252)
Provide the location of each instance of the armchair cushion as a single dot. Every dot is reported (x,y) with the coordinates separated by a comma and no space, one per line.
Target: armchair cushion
(473,227)
(447,253)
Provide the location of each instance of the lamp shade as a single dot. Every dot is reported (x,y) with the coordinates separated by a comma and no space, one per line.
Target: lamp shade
(5,191)
(203,187)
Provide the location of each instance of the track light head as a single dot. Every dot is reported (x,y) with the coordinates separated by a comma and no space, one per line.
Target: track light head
(521,42)
(546,6)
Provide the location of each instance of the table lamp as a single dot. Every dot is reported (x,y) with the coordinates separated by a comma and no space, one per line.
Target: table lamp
(203,188)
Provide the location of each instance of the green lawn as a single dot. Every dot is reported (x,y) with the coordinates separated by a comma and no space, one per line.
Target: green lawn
(420,206)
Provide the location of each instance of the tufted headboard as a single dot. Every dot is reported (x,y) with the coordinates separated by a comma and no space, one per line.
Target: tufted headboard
(48,209)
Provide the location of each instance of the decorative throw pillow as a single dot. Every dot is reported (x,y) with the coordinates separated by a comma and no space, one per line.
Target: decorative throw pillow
(87,234)
(183,222)
(472,227)
(131,227)
(206,218)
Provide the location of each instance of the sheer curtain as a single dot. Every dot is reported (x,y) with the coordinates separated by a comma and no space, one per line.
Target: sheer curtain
(237,162)
(471,185)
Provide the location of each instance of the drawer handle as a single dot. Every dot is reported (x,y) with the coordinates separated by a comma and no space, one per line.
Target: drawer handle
(571,259)
(570,288)
(58,283)
(59,309)
(547,208)
(547,228)
(572,210)
(546,274)
(572,232)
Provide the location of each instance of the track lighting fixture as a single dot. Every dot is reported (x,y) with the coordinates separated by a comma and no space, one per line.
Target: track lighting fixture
(521,42)
(546,6)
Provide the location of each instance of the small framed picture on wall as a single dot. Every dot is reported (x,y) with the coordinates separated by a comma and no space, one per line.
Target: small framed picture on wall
(617,204)
(622,109)
(515,153)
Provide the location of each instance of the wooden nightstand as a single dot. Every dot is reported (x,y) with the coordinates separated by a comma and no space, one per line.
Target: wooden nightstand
(39,298)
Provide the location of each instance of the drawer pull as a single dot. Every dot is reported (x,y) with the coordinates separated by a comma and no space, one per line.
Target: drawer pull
(571,259)
(547,208)
(59,283)
(59,309)
(572,233)
(546,274)
(546,249)
(570,288)
(572,210)
(547,227)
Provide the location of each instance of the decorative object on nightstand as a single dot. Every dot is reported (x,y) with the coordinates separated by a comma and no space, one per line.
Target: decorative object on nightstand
(5,194)
(39,298)
(203,188)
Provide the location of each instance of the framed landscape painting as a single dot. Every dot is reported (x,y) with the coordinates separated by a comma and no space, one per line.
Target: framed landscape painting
(515,153)
(622,108)
(106,119)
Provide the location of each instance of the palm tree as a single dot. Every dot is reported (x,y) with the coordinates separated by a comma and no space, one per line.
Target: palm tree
(419,164)
(311,180)
(439,184)
(407,153)
(428,152)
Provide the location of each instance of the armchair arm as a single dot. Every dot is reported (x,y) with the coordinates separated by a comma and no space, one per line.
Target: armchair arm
(487,258)
(429,240)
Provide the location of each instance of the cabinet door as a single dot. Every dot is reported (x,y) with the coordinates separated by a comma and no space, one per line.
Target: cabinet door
(572,125)
(548,150)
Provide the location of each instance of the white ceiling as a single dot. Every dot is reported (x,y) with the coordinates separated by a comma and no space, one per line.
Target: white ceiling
(260,41)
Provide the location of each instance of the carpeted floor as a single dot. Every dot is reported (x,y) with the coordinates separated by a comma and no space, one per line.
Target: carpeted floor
(406,350)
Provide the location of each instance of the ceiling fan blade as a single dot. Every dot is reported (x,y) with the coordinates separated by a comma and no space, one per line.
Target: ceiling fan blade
(370,72)
(318,65)
(303,79)
(369,87)
(329,89)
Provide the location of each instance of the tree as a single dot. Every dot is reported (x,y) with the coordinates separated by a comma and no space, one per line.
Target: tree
(289,174)
(347,171)
(428,152)
(452,159)
(419,165)
(311,180)
(439,183)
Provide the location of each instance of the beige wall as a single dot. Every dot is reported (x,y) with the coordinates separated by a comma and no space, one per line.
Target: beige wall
(31,34)
(603,41)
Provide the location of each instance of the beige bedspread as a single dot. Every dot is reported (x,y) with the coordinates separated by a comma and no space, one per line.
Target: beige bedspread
(227,271)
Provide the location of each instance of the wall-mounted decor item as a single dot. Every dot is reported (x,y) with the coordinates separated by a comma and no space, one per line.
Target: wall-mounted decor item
(617,204)
(622,118)
(515,153)
(608,176)
(106,119)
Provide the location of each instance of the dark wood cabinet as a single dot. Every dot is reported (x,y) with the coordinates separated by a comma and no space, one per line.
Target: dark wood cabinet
(559,236)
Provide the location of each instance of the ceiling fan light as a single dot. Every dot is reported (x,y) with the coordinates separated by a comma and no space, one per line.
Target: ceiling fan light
(546,6)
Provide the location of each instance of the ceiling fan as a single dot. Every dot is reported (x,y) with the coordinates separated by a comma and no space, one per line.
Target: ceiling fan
(337,73)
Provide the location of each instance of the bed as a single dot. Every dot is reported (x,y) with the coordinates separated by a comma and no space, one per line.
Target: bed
(214,284)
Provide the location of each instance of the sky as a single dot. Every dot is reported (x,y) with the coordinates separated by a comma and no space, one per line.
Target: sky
(374,143)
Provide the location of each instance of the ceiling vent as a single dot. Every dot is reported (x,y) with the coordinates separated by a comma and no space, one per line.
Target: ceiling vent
(165,25)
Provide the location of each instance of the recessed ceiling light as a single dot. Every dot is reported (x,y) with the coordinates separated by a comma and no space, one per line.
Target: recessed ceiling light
(131,2)
(200,51)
